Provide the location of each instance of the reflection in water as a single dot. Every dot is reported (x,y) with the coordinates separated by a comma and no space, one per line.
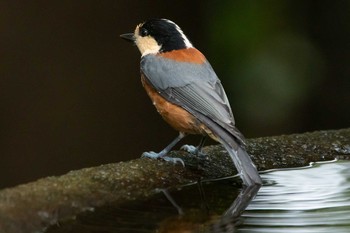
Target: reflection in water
(305,200)
(224,223)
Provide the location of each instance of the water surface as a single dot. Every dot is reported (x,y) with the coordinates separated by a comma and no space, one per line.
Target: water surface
(306,200)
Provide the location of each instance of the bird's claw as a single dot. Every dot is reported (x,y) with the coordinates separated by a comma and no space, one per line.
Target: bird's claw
(174,160)
(154,155)
(151,155)
(193,150)
(190,149)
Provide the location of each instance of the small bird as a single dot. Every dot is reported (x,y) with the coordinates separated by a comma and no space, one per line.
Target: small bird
(187,93)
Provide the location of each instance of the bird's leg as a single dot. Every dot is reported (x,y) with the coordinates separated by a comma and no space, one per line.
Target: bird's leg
(172,201)
(165,151)
(196,150)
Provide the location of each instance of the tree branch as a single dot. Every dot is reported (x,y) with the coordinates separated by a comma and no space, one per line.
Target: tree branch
(34,206)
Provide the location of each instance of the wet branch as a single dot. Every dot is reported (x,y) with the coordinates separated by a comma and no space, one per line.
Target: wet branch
(34,206)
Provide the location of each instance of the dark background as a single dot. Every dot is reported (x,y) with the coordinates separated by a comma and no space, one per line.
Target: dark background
(70,91)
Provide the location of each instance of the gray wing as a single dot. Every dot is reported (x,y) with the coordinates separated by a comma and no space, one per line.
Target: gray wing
(194,87)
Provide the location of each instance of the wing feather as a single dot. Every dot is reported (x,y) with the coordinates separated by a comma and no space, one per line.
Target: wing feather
(195,87)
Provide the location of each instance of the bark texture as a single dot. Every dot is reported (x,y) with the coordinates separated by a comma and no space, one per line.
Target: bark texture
(34,206)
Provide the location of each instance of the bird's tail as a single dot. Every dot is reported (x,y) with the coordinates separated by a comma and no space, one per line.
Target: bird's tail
(233,143)
(243,163)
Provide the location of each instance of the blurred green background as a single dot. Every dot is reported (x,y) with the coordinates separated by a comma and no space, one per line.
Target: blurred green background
(70,91)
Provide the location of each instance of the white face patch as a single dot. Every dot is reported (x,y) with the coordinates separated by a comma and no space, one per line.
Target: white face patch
(146,44)
(186,41)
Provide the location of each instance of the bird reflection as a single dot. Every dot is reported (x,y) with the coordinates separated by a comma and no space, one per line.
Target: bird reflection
(206,206)
(205,221)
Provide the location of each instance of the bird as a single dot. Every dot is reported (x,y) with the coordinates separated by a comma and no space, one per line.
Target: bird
(187,93)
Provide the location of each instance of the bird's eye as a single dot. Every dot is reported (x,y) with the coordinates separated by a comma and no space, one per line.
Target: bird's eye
(144,32)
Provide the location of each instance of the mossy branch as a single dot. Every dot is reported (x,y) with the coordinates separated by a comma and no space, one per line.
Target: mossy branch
(34,206)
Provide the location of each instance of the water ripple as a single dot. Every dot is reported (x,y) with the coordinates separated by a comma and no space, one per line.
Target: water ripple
(303,200)
(307,200)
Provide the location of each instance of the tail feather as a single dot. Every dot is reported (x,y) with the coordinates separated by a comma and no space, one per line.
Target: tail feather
(236,149)
(244,164)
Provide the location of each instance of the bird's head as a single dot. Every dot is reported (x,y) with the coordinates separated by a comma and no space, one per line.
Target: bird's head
(157,36)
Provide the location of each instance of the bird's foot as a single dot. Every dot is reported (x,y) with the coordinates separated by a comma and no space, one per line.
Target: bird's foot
(190,149)
(151,155)
(174,160)
(193,150)
(154,155)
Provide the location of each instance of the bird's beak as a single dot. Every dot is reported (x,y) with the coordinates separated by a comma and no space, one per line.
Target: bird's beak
(128,37)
